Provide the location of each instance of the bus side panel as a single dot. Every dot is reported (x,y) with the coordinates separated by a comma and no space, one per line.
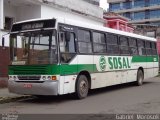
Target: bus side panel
(61,85)
(68,76)
(156,65)
(156,69)
(105,79)
(131,75)
(69,84)
(150,66)
(107,76)
(100,77)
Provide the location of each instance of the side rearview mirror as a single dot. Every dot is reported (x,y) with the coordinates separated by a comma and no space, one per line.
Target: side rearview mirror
(67,36)
(3,41)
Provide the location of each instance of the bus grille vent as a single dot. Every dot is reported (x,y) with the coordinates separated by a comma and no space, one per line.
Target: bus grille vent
(30,70)
(29,77)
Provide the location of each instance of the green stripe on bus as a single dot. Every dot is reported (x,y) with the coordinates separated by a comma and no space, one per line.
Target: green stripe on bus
(51,69)
(136,59)
(74,69)
(66,69)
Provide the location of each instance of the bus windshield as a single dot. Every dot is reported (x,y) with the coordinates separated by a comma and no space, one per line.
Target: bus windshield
(31,48)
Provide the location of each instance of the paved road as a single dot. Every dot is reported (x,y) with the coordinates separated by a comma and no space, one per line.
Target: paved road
(116,99)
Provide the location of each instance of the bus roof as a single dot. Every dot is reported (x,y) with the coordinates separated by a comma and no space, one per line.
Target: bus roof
(32,20)
(105,29)
(94,27)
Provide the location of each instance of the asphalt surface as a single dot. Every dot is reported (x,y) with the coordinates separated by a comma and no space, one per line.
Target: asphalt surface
(120,99)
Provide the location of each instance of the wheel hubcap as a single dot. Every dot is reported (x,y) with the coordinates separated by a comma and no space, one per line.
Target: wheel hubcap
(83,87)
(140,78)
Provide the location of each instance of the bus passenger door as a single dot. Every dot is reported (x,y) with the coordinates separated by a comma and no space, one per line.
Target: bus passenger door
(68,61)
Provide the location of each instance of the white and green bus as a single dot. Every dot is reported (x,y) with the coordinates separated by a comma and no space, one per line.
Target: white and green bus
(56,57)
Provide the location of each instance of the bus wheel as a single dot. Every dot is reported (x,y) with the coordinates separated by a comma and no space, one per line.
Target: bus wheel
(140,78)
(82,87)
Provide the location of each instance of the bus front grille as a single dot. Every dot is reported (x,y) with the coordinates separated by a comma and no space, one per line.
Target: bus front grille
(29,70)
(29,77)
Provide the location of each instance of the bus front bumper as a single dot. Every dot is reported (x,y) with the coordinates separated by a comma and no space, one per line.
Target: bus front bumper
(26,88)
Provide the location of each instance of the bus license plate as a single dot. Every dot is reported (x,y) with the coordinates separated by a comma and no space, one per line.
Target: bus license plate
(27,85)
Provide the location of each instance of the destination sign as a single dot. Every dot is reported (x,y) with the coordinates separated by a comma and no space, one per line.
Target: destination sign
(32,26)
(40,24)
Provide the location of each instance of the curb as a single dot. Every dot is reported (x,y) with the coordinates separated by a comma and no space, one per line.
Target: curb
(12,99)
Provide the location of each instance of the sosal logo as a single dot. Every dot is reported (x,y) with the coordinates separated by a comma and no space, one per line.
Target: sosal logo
(102,63)
(119,63)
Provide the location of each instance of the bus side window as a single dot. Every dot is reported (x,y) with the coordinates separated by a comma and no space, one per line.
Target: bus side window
(112,44)
(154,48)
(62,41)
(99,43)
(124,49)
(133,46)
(148,48)
(71,44)
(141,47)
(84,41)
(67,47)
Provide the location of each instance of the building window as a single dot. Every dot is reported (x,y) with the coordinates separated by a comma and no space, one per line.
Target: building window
(127,5)
(139,3)
(154,13)
(8,23)
(139,15)
(128,15)
(154,2)
(115,6)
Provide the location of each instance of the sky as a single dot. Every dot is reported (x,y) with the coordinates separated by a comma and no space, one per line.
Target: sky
(104,4)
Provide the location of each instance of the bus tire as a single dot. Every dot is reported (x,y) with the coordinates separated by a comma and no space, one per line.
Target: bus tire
(82,87)
(140,78)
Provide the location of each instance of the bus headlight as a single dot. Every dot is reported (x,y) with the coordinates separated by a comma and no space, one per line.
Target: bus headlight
(49,78)
(14,78)
(10,77)
(44,77)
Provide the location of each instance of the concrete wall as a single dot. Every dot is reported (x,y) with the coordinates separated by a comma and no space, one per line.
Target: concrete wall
(9,11)
(28,12)
(80,6)
(51,12)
